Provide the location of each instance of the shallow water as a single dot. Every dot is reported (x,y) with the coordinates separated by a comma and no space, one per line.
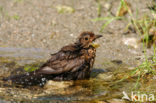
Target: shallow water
(103,85)
(35,53)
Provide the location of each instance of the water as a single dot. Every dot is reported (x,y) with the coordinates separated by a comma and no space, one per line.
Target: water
(102,86)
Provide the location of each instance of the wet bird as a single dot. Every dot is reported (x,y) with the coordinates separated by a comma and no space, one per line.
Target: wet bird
(72,62)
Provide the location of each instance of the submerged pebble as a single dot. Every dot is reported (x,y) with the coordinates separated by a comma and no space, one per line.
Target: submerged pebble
(57,84)
(105,76)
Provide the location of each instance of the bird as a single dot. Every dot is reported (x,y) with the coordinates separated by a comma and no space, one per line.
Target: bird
(71,62)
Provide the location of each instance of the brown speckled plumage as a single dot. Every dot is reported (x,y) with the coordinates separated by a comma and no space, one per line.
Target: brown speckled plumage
(72,62)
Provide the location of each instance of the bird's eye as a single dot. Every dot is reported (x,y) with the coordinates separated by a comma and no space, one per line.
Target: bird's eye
(86,38)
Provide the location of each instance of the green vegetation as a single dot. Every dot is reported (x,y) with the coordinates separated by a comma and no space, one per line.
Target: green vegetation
(99,6)
(1,9)
(142,26)
(32,67)
(29,68)
(16,17)
(108,21)
(111,18)
(65,9)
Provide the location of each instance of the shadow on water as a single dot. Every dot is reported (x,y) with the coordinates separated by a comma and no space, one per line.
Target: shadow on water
(95,72)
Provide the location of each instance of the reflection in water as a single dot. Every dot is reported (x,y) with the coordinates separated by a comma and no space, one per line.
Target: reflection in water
(36,53)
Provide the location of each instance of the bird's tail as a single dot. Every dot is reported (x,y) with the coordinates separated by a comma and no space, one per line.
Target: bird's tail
(27,79)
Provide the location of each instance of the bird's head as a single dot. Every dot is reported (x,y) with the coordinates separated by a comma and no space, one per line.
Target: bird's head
(87,38)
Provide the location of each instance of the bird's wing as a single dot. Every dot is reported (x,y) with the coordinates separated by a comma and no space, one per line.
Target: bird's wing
(60,66)
(66,59)
(71,48)
(67,52)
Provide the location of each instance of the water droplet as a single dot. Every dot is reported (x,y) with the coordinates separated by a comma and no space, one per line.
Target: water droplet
(43,79)
(26,80)
(40,84)
(27,74)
